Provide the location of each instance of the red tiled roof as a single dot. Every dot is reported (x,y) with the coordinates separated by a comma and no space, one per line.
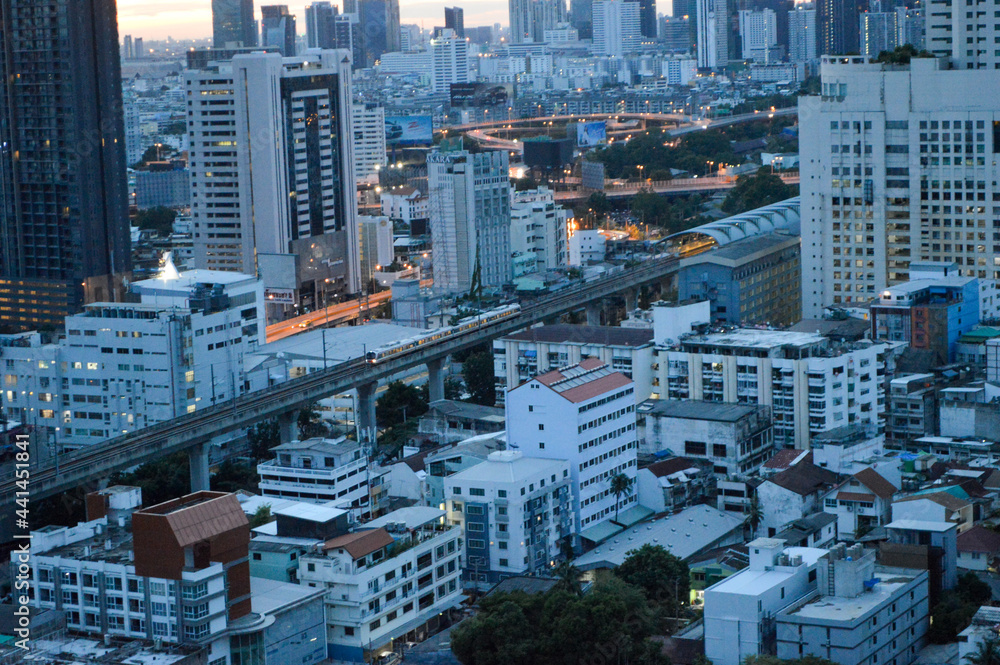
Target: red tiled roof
(672,465)
(556,375)
(597,387)
(360,543)
(874,481)
(855,496)
(206,519)
(941,498)
(804,479)
(979,539)
(786,458)
(600,383)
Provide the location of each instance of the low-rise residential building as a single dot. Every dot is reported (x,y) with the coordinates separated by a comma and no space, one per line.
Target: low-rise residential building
(861,613)
(386,580)
(978,549)
(736,439)
(793,494)
(754,280)
(911,410)
(518,357)
(936,505)
(861,503)
(740,610)
(926,545)
(816,530)
(450,421)
(515,512)
(584,414)
(538,228)
(442,463)
(405,204)
(811,383)
(983,627)
(334,471)
(929,314)
(847,449)
(670,485)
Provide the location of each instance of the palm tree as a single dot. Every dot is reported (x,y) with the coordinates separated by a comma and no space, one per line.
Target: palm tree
(987,653)
(569,576)
(754,515)
(620,485)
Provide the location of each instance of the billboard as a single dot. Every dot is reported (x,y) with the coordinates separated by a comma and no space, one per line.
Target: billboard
(548,154)
(409,130)
(477,95)
(591,133)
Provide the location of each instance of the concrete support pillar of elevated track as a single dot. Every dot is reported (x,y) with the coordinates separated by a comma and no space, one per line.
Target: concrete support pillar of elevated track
(631,300)
(365,416)
(288,426)
(435,379)
(198,459)
(594,310)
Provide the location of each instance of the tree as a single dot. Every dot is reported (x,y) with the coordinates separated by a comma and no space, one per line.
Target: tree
(987,653)
(754,191)
(158,219)
(755,514)
(261,516)
(310,422)
(235,475)
(477,372)
(262,437)
(162,480)
(569,577)
(621,485)
(663,577)
(956,607)
(901,55)
(400,402)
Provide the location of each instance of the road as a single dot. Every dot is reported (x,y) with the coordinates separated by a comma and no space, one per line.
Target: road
(680,186)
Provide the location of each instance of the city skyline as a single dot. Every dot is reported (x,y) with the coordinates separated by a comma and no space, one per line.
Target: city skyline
(192,19)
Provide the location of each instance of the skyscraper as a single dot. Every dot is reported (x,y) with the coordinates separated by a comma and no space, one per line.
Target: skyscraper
(450,60)
(470,218)
(529,19)
(379,28)
(581,17)
(802,34)
(454,18)
(758,34)
(713,33)
(647,18)
(320,29)
(233,24)
(292,121)
(616,27)
(878,31)
(347,36)
(277,28)
(64,232)
(837,22)
(128,51)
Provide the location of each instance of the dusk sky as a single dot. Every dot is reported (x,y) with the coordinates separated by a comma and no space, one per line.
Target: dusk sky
(190,19)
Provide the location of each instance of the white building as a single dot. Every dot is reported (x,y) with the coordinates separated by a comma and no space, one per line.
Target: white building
(409,62)
(949,26)
(678,70)
(520,356)
(861,613)
(758,34)
(811,384)
(616,27)
(291,119)
(125,366)
(861,503)
(450,62)
(395,575)
(740,610)
(369,141)
(404,204)
(802,34)
(337,473)
(515,512)
(880,139)
(584,414)
(586,247)
(470,218)
(538,227)
(712,33)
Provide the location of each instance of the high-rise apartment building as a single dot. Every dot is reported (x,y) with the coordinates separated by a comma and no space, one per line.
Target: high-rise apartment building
(758,34)
(450,61)
(320,29)
(912,27)
(966,35)
(529,19)
(470,218)
(454,18)
(616,27)
(379,28)
(64,232)
(898,167)
(802,34)
(291,119)
(233,25)
(837,22)
(277,28)
(369,140)
(878,30)
(712,33)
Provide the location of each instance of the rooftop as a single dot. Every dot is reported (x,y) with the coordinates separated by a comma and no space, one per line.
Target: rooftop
(328,446)
(838,608)
(360,543)
(804,478)
(269,596)
(412,516)
(753,338)
(685,534)
(695,410)
(586,380)
(979,539)
(741,251)
(751,582)
(310,511)
(507,466)
(921,525)
(571,334)
(449,407)
(342,343)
